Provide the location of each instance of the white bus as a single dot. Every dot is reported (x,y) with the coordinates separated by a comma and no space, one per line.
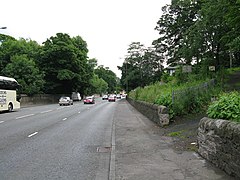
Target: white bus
(9,100)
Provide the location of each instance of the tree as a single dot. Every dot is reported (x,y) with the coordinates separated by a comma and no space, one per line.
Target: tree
(177,18)
(11,47)
(130,78)
(25,71)
(193,31)
(99,86)
(64,61)
(108,76)
(142,66)
(232,37)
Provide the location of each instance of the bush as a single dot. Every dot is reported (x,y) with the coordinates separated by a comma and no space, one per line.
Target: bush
(227,107)
(187,98)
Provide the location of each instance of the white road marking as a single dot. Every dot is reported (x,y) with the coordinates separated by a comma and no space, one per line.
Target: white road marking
(32,134)
(1,122)
(25,116)
(64,119)
(79,112)
(46,111)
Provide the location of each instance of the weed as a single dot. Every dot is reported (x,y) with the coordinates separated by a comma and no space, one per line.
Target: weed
(177,134)
(226,107)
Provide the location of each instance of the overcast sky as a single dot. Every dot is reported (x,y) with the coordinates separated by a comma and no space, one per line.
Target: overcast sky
(108,26)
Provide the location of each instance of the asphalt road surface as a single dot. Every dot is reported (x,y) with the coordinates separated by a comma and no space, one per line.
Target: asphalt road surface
(103,141)
(57,142)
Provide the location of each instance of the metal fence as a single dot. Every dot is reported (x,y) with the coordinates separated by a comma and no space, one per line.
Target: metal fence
(199,88)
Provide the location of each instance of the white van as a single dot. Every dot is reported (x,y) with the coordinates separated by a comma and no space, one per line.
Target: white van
(76,96)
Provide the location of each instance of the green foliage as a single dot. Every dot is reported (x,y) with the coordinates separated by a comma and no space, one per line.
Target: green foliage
(99,86)
(60,65)
(226,107)
(177,134)
(233,70)
(166,77)
(11,47)
(65,74)
(25,71)
(108,76)
(198,31)
(142,66)
(181,99)
(64,61)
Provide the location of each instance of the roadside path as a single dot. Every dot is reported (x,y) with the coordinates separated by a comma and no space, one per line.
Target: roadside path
(143,151)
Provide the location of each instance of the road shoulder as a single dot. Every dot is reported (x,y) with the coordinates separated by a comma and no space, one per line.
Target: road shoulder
(144,151)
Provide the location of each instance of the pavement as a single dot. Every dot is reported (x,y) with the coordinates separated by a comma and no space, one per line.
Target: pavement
(143,151)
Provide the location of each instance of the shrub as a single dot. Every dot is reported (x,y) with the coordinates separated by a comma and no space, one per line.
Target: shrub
(226,107)
(187,98)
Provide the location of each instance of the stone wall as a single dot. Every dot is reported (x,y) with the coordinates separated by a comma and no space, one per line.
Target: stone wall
(39,99)
(157,114)
(219,142)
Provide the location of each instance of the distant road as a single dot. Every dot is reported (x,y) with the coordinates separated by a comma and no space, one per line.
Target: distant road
(57,142)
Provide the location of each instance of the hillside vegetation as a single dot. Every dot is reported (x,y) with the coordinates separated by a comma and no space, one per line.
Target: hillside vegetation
(188,96)
(193,96)
(227,105)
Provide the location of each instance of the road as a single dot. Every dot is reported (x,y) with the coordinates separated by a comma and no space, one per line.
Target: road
(57,142)
(103,141)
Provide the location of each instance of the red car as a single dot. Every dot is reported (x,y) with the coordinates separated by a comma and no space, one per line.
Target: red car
(112,98)
(89,100)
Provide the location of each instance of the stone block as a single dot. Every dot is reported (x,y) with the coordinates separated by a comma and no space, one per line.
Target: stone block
(163,119)
(219,142)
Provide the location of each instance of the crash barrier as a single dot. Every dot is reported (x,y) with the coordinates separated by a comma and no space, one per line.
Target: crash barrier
(156,113)
(39,99)
(219,143)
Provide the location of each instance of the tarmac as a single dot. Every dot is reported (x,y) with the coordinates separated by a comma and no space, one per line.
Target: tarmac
(142,151)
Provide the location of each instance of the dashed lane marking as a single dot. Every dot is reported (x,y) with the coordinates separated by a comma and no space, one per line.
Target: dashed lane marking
(33,134)
(1,122)
(64,119)
(25,116)
(46,111)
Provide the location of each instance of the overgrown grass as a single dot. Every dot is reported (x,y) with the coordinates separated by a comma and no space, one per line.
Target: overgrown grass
(188,98)
(177,134)
(233,70)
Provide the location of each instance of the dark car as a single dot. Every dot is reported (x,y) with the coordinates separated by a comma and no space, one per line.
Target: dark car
(65,101)
(89,100)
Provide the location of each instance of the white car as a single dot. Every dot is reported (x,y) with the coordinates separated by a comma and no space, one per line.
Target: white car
(65,101)
(105,97)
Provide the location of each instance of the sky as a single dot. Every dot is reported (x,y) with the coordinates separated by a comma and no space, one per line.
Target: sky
(108,26)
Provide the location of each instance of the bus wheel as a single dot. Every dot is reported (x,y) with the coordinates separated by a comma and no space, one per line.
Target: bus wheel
(10,107)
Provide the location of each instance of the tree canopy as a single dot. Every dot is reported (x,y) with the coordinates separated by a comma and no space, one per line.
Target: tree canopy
(108,76)
(202,33)
(64,61)
(60,65)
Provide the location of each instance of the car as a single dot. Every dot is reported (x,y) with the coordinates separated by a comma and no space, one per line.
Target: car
(118,96)
(105,97)
(112,98)
(65,100)
(76,96)
(124,95)
(89,100)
